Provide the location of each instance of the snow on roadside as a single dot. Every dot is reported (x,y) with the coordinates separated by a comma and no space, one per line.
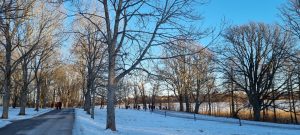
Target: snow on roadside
(133,122)
(13,115)
(225,119)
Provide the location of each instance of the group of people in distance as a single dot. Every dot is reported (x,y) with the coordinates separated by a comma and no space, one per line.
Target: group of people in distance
(150,107)
(58,105)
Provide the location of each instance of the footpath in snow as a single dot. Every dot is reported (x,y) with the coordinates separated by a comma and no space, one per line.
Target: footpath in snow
(225,120)
(133,122)
(13,115)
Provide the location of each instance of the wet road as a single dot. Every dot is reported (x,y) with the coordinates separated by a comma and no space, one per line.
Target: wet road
(56,122)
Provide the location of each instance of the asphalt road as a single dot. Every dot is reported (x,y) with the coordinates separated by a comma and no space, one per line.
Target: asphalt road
(56,122)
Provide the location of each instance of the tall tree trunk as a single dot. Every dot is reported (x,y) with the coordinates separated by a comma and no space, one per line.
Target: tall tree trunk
(264,113)
(23,100)
(135,104)
(144,101)
(90,80)
(93,102)
(197,102)
(290,106)
(6,99)
(83,91)
(111,89)
(24,89)
(274,105)
(289,89)
(168,101)
(7,77)
(15,98)
(112,86)
(209,105)
(233,114)
(38,93)
(294,105)
(187,100)
(256,108)
(181,102)
(87,101)
(31,101)
(53,98)
(256,113)
(197,106)
(44,91)
(153,100)
(197,99)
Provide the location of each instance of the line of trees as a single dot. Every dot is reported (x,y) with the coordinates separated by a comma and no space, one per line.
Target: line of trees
(139,52)
(29,38)
(127,32)
(254,67)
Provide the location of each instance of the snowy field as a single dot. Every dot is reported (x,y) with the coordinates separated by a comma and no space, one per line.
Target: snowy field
(13,115)
(133,122)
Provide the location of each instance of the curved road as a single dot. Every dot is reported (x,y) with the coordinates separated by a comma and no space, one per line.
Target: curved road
(56,122)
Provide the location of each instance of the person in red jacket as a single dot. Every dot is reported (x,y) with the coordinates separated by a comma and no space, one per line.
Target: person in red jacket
(58,105)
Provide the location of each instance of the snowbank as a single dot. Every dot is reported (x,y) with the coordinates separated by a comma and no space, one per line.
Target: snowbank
(133,122)
(13,115)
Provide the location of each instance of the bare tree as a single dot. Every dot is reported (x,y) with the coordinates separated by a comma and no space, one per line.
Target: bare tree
(13,15)
(171,74)
(187,75)
(90,49)
(53,38)
(127,24)
(257,51)
(202,66)
(141,87)
(33,39)
(290,14)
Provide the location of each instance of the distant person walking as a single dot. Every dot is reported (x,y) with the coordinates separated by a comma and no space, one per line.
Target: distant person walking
(58,105)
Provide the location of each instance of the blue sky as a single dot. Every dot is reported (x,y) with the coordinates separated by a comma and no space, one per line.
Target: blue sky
(241,11)
(235,12)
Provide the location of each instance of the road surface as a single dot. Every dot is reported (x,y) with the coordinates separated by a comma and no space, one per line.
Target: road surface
(56,122)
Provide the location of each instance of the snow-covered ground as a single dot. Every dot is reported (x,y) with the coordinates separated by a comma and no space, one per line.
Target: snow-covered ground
(13,115)
(133,122)
(225,120)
